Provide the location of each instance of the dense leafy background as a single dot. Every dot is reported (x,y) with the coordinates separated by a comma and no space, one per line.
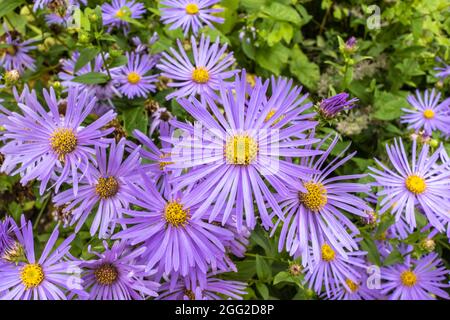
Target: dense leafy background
(294,38)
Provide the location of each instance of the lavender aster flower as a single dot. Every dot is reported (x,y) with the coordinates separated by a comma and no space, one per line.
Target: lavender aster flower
(443,71)
(114,13)
(116,275)
(422,279)
(7,238)
(419,181)
(133,78)
(175,240)
(190,14)
(49,278)
(357,290)
(52,145)
(322,210)
(230,153)
(41,4)
(201,77)
(330,107)
(427,113)
(106,187)
(16,55)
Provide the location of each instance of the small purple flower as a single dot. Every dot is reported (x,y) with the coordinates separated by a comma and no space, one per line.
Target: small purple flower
(209,288)
(51,277)
(16,55)
(190,14)
(443,71)
(420,182)
(160,119)
(41,4)
(427,113)
(106,187)
(133,78)
(114,13)
(201,77)
(330,107)
(116,275)
(49,146)
(350,44)
(7,236)
(421,279)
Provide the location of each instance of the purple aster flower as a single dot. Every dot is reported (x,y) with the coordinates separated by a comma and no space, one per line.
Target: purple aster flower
(334,271)
(322,211)
(48,145)
(133,78)
(7,236)
(190,14)
(160,119)
(330,107)
(106,186)
(175,240)
(421,279)
(201,77)
(114,13)
(116,275)
(427,113)
(209,288)
(350,44)
(443,71)
(62,11)
(142,47)
(51,277)
(41,4)
(233,154)
(419,182)
(16,55)
(103,92)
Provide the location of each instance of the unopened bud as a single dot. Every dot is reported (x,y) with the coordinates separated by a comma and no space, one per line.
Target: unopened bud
(428,245)
(12,76)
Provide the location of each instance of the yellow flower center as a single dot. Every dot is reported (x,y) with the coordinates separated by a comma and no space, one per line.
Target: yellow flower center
(316,196)
(106,187)
(328,254)
(352,286)
(175,214)
(120,13)
(241,149)
(270,115)
(163,164)
(106,274)
(200,75)
(63,141)
(415,184)
(31,275)
(133,77)
(192,8)
(190,294)
(408,278)
(428,114)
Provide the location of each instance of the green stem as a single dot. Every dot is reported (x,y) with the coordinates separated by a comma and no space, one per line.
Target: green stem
(102,54)
(44,206)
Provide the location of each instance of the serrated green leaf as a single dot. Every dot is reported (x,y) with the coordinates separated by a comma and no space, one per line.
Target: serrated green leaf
(86,55)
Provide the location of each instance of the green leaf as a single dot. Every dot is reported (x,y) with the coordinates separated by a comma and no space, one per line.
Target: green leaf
(263,290)
(367,244)
(118,61)
(281,12)
(6,6)
(263,269)
(86,55)
(305,71)
(283,276)
(135,118)
(92,78)
(394,257)
(388,106)
(273,58)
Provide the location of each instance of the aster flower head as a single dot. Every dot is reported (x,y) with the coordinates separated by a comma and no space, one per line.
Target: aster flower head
(106,188)
(427,114)
(360,290)
(416,279)
(350,44)
(51,277)
(443,71)
(176,241)
(133,79)
(49,146)
(235,153)
(330,107)
(115,274)
(201,77)
(190,15)
(7,237)
(417,181)
(16,55)
(114,13)
(210,288)
(41,4)
(321,211)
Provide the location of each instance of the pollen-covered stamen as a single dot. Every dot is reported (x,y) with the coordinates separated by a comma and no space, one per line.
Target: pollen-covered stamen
(192,8)
(270,115)
(428,114)
(106,274)
(190,294)
(327,252)
(133,77)
(200,75)
(241,149)
(408,278)
(106,187)
(32,275)
(175,214)
(316,196)
(415,184)
(120,13)
(63,141)
(162,163)
(351,285)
